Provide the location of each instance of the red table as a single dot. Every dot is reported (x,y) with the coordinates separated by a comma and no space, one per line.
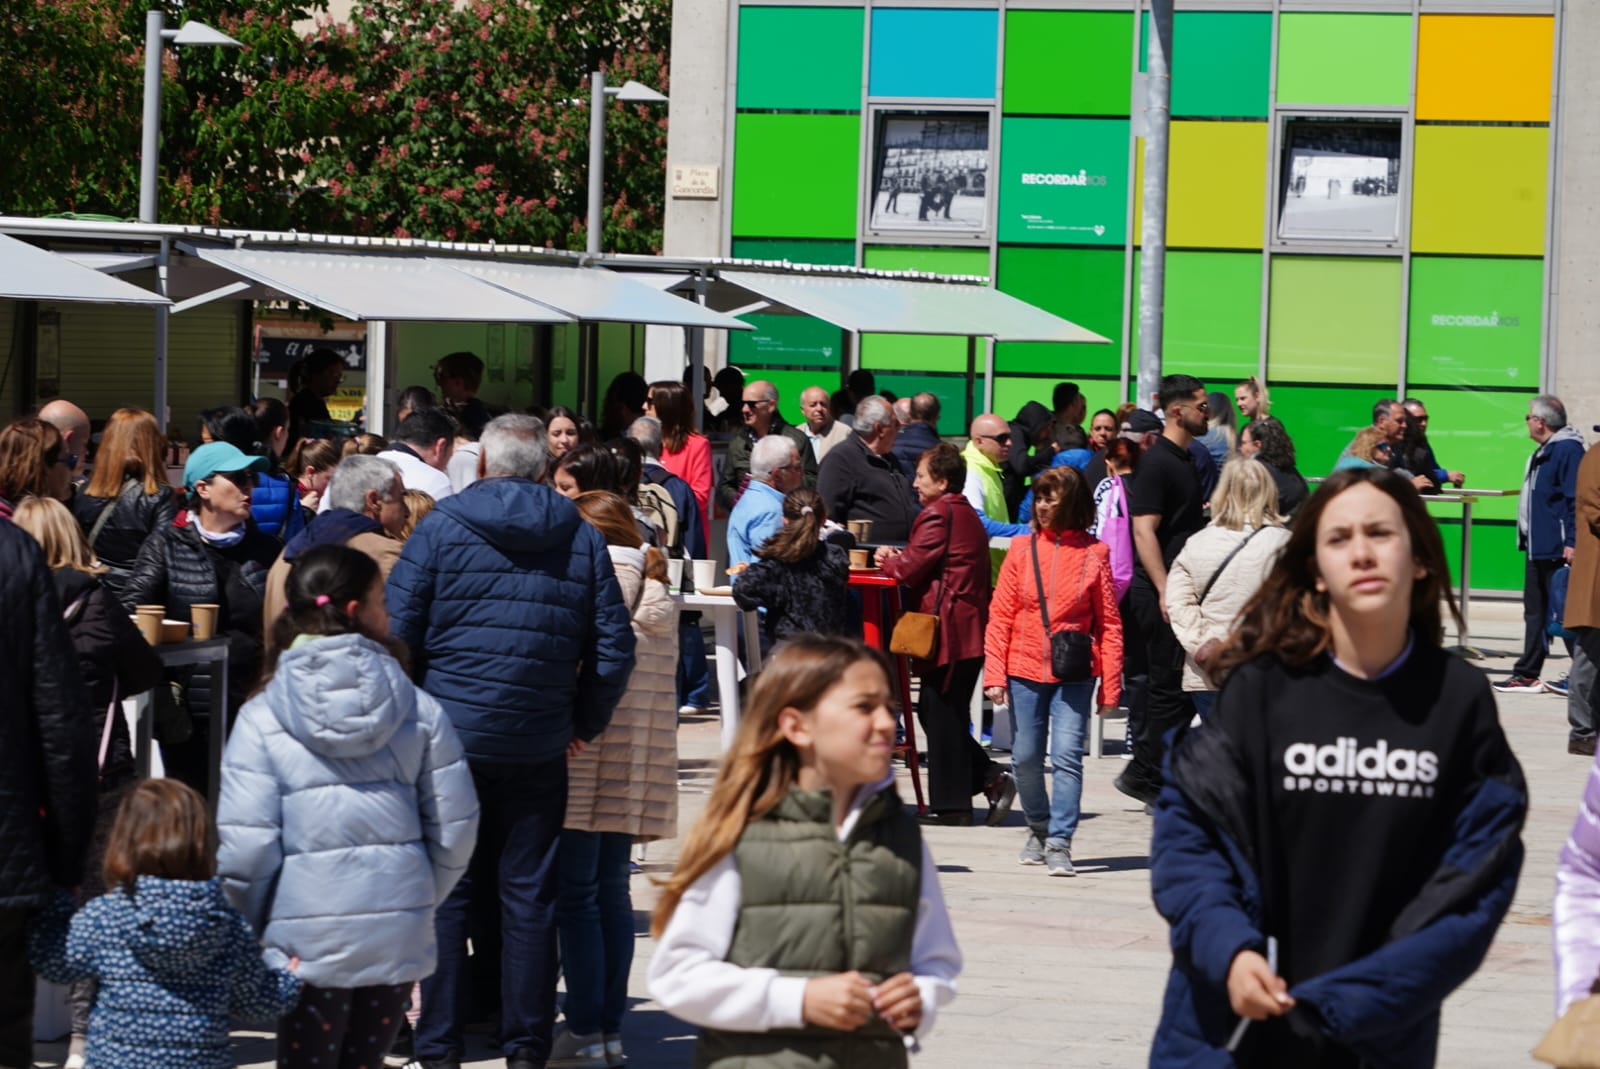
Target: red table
(880,608)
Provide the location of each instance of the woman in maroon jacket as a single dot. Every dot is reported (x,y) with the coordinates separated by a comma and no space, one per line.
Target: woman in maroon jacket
(946,567)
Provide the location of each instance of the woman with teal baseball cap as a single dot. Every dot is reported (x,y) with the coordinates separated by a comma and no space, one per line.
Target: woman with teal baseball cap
(217,556)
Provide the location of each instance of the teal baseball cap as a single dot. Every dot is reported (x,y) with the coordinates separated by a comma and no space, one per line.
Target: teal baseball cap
(218,456)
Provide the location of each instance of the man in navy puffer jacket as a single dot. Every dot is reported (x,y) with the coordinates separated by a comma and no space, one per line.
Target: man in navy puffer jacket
(515,623)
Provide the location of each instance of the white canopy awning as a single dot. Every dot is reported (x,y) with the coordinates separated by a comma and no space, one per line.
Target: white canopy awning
(593,294)
(379,286)
(896,306)
(29,273)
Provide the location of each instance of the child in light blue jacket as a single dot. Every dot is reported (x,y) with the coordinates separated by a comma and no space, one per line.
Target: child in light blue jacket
(347,814)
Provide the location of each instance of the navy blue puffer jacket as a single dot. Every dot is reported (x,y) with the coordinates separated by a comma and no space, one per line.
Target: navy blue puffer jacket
(514,620)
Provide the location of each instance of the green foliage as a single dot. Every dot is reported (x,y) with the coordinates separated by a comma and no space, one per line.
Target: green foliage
(415,118)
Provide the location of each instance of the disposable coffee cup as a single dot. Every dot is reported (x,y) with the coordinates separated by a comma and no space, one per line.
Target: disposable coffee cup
(150,610)
(705,574)
(861,558)
(674,573)
(860,530)
(204,618)
(149,624)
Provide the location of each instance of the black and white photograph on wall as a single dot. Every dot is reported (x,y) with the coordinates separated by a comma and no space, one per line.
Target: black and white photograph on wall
(930,173)
(1340,180)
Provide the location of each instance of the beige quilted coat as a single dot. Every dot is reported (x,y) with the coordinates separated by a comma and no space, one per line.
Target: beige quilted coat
(626,781)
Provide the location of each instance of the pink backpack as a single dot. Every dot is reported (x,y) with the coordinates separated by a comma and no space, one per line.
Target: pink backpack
(1116,531)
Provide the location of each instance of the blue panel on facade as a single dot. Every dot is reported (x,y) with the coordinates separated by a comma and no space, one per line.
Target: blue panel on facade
(934,52)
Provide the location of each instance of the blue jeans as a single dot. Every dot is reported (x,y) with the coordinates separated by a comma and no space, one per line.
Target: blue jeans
(595,916)
(522,807)
(1204,701)
(1062,710)
(694,679)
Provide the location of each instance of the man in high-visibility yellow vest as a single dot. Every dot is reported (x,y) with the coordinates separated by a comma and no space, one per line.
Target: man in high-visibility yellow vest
(987,448)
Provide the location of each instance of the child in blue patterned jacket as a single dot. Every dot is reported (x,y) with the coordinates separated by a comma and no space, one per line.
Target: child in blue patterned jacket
(172,958)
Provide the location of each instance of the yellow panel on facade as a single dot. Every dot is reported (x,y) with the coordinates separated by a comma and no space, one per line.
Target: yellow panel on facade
(1215,183)
(1480,190)
(1485,68)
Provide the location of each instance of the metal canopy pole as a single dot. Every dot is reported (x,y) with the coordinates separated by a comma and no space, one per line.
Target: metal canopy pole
(597,158)
(972,372)
(697,355)
(1153,262)
(163,319)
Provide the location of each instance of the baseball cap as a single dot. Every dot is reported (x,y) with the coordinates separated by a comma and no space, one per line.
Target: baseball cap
(1141,422)
(218,456)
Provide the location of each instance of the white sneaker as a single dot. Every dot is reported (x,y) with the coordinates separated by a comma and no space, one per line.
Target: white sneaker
(74,1061)
(690,710)
(571,1050)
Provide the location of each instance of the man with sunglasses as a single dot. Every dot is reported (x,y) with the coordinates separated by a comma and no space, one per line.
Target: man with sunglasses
(759,410)
(988,448)
(1416,454)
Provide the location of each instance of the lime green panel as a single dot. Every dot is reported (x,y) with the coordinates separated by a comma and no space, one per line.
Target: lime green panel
(927,258)
(1480,189)
(842,253)
(785,341)
(1011,393)
(1064,181)
(1496,561)
(916,352)
(1475,322)
(950,390)
(1321,420)
(801,57)
(1212,328)
(1093,45)
(795,176)
(1344,59)
(1481,433)
(1334,319)
(1082,285)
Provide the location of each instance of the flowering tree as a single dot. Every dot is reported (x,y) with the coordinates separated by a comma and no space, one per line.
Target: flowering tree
(415,118)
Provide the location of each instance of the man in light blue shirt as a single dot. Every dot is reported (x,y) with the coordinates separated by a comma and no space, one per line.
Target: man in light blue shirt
(775,469)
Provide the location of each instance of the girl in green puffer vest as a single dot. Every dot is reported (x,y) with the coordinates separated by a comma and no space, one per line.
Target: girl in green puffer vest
(804,927)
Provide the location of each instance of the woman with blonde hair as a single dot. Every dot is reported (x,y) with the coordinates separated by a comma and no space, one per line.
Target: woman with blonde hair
(128,496)
(1252,398)
(1371,449)
(804,833)
(1221,567)
(622,788)
(114,662)
(418,504)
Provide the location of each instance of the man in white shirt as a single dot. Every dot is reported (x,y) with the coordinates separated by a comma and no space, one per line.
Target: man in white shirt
(420,447)
(821,429)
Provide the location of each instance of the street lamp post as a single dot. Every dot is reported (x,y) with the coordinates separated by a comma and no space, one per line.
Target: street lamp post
(629,92)
(155,33)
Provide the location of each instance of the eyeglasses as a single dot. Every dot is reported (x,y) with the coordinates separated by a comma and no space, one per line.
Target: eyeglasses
(796,466)
(1529,417)
(1198,406)
(1003,439)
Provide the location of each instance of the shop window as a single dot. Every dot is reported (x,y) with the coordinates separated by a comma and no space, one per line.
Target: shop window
(1339,180)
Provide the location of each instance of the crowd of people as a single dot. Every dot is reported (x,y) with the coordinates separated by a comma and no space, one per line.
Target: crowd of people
(456,674)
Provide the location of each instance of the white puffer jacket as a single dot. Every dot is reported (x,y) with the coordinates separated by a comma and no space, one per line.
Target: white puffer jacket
(1202,555)
(626,780)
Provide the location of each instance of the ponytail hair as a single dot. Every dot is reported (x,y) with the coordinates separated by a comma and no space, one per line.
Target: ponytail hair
(801,533)
(322,581)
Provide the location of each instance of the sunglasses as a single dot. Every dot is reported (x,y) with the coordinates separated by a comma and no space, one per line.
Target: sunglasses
(753,404)
(1003,439)
(244,480)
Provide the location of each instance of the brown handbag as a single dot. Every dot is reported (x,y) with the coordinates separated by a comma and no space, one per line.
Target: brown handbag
(1573,1042)
(916,635)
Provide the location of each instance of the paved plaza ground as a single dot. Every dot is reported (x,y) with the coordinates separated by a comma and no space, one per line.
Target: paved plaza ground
(1070,971)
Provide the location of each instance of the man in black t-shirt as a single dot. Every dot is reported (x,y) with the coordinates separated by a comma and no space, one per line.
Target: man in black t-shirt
(1166,503)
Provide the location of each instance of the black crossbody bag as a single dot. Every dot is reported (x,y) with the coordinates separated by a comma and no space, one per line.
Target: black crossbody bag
(1069,650)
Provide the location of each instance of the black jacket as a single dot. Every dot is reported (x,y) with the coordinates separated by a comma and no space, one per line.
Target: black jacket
(858,484)
(736,465)
(1024,463)
(177,568)
(913,440)
(47,754)
(110,649)
(134,514)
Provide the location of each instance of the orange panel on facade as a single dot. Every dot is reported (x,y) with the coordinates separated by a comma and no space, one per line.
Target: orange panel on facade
(1485,68)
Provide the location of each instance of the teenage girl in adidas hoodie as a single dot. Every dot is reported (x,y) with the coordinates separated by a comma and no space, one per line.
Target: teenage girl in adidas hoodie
(1337,843)
(804,821)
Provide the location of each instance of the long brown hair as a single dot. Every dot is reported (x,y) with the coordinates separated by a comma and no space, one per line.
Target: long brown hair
(762,765)
(28,447)
(131,447)
(1288,616)
(798,538)
(609,514)
(318,454)
(674,408)
(162,829)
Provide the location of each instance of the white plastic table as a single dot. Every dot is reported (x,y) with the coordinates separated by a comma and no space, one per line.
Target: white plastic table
(724,612)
